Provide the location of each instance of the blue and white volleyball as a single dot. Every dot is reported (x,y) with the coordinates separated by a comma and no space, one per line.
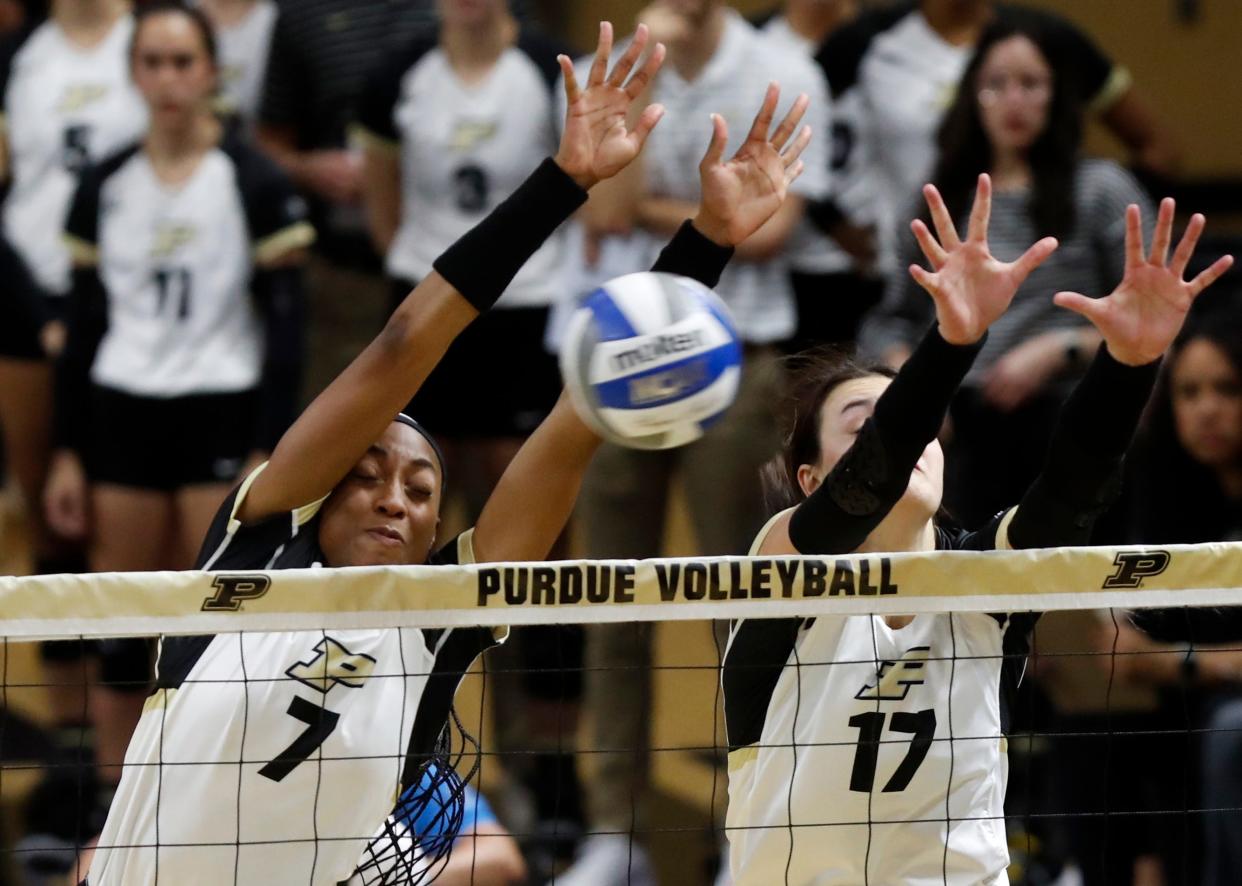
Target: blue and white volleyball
(651,360)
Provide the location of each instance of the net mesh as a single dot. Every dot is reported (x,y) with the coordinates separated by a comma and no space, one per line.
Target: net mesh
(834,734)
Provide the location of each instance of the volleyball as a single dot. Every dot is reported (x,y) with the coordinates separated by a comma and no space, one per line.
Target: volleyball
(651,360)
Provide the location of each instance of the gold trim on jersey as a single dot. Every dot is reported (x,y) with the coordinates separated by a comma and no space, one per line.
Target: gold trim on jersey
(1118,84)
(271,249)
(364,138)
(1001,541)
(742,756)
(157,700)
(81,253)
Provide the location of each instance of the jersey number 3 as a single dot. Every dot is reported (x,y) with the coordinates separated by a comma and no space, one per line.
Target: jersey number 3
(870,726)
(174,288)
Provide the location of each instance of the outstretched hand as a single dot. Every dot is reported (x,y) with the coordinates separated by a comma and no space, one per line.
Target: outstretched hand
(971,289)
(1143,315)
(739,195)
(597,143)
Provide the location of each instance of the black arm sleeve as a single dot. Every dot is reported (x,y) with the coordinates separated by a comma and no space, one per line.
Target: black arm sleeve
(692,255)
(88,321)
(1082,473)
(874,473)
(484,260)
(278,293)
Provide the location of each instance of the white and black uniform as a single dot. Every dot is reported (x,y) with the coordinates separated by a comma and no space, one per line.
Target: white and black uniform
(907,76)
(64,108)
(272,757)
(463,149)
(861,754)
(873,755)
(183,343)
(243,49)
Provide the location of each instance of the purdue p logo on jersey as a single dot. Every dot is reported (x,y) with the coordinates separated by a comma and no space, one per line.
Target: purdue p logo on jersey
(1134,566)
(333,664)
(894,678)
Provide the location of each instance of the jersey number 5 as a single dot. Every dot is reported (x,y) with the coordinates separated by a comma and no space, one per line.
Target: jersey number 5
(319,725)
(870,726)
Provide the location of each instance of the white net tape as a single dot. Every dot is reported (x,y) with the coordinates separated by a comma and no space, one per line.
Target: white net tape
(601,591)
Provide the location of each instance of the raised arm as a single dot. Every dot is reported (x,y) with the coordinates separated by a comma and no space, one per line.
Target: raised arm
(336,429)
(533,501)
(1138,322)
(971,290)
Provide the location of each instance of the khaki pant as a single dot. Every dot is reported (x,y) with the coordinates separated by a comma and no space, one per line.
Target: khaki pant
(622,512)
(347,309)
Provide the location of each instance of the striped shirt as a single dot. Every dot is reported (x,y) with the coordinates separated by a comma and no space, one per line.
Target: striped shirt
(1090,260)
(321,53)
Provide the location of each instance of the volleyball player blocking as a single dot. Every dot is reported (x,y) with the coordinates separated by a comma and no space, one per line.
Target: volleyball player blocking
(261,758)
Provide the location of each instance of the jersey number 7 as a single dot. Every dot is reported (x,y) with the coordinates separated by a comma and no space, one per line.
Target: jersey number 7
(922,725)
(319,725)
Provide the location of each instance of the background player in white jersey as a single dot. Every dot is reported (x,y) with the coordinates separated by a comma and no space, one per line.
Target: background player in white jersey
(67,101)
(183,353)
(349,485)
(244,34)
(869,749)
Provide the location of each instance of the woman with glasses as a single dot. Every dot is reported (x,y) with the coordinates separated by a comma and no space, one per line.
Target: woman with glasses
(1017,119)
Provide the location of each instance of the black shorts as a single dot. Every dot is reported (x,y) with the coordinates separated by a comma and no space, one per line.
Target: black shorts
(165,444)
(496,380)
(19,330)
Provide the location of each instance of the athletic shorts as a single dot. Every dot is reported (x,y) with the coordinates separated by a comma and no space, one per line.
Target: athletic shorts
(496,380)
(165,444)
(19,331)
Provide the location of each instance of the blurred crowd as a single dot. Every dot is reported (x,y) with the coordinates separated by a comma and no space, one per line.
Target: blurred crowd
(190,253)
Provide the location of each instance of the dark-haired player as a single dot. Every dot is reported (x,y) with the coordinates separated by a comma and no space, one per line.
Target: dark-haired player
(273,757)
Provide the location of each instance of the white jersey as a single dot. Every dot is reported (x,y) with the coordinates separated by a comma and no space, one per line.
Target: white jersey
(176,264)
(243,49)
(273,757)
(64,108)
(733,84)
(864,754)
(464,148)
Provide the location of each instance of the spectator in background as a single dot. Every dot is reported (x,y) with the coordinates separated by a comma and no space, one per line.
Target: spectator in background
(450,125)
(184,343)
(67,101)
(1184,486)
(244,32)
(906,61)
(834,286)
(1018,117)
(717,64)
(321,52)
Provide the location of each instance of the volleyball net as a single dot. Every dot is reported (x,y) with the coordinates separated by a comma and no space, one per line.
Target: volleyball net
(1123,742)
